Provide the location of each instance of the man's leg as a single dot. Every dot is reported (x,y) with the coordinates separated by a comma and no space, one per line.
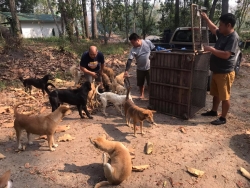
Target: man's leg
(140,82)
(216,103)
(225,108)
(99,81)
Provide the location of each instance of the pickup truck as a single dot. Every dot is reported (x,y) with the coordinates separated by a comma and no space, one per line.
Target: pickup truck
(182,38)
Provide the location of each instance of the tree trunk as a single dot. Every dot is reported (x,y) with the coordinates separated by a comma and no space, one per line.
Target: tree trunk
(15,21)
(77,30)
(94,22)
(53,15)
(177,14)
(225,6)
(212,10)
(126,20)
(143,20)
(85,17)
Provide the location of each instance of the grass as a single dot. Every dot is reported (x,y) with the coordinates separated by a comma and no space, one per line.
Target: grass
(81,46)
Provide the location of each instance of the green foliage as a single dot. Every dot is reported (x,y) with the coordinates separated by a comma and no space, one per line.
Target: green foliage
(23,6)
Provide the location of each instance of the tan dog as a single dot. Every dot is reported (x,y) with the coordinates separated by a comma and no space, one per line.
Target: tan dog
(106,82)
(119,79)
(40,125)
(92,101)
(138,115)
(118,88)
(76,73)
(5,180)
(120,167)
(109,72)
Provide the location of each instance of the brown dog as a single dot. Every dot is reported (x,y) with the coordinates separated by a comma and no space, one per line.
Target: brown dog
(109,72)
(40,125)
(120,167)
(5,180)
(106,82)
(138,115)
(92,101)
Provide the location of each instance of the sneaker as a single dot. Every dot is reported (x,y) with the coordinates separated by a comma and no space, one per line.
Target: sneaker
(210,113)
(219,121)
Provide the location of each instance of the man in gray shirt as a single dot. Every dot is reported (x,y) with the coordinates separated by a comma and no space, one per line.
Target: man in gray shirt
(222,64)
(141,52)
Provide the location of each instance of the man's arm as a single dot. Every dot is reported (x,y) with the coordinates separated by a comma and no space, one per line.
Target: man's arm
(128,65)
(102,67)
(86,71)
(218,53)
(210,24)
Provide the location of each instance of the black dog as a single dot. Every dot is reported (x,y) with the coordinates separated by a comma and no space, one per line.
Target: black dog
(76,97)
(39,83)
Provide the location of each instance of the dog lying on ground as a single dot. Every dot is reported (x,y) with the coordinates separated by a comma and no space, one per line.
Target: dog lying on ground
(40,125)
(76,73)
(117,100)
(109,72)
(36,82)
(120,167)
(106,82)
(117,88)
(76,97)
(5,180)
(119,79)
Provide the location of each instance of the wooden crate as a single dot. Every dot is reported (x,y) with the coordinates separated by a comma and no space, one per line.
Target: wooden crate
(178,82)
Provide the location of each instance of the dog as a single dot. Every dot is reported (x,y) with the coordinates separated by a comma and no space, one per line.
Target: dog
(36,82)
(76,73)
(106,82)
(113,98)
(119,79)
(109,72)
(5,181)
(92,101)
(138,115)
(117,88)
(76,97)
(128,103)
(120,167)
(40,125)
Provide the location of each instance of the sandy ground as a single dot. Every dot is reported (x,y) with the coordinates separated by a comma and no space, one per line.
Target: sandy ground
(219,151)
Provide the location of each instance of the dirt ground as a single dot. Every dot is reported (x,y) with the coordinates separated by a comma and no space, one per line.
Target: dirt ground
(219,151)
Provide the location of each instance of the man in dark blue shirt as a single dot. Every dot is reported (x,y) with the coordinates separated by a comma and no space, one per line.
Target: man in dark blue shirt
(92,63)
(222,61)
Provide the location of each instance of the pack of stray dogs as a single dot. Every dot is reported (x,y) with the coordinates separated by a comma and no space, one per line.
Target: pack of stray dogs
(117,92)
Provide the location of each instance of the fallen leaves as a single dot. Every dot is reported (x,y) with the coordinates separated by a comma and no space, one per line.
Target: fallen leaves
(149,148)
(140,168)
(183,130)
(62,128)
(245,172)
(65,137)
(195,172)
(7,125)
(2,156)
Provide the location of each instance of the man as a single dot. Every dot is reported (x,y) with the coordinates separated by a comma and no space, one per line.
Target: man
(141,52)
(222,63)
(92,63)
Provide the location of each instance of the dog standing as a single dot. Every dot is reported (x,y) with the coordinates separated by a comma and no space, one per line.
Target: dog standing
(117,100)
(106,82)
(40,125)
(76,97)
(39,83)
(120,167)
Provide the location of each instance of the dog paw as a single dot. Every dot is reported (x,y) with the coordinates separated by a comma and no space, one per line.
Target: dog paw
(52,149)
(142,133)
(30,143)
(20,147)
(90,117)
(82,117)
(55,145)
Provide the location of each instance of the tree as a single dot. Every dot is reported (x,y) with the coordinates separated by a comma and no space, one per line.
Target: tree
(54,17)
(23,6)
(85,17)
(212,10)
(177,13)
(241,12)
(93,20)
(225,6)
(15,20)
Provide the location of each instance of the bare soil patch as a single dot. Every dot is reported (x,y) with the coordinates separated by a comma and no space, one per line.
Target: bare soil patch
(219,151)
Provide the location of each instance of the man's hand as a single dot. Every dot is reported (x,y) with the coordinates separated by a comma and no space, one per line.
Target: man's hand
(125,74)
(204,15)
(209,48)
(94,74)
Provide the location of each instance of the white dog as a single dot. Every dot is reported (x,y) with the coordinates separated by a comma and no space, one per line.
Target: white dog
(76,73)
(117,100)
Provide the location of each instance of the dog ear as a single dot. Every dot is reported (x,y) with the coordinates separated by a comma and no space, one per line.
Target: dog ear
(4,179)
(153,111)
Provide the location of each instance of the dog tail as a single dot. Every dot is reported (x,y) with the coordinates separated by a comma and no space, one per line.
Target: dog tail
(128,91)
(96,89)
(46,88)
(15,108)
(102,183)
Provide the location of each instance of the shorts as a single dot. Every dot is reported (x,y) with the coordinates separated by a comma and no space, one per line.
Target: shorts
(221,85)
(90,78)
(141,76)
